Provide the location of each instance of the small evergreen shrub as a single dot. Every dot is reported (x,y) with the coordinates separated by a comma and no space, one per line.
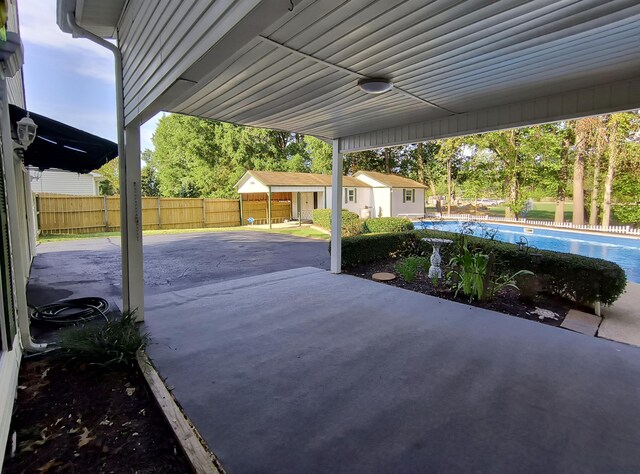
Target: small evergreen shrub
(387,224)
(585,279)
(351,223)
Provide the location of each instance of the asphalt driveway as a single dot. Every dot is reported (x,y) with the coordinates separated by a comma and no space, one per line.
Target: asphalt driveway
(92,267)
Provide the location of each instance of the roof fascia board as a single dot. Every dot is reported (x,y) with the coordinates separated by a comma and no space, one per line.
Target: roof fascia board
(602,99)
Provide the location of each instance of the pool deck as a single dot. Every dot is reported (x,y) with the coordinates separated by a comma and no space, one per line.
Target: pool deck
(304,371)
(621,320)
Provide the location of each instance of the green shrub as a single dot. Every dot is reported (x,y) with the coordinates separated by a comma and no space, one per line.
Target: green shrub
(115,342)
(387,224)
(351,223)
(409,267)
(470,270)
(627,213)
(585,279)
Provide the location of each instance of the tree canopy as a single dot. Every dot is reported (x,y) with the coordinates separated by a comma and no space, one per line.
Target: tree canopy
(596,160)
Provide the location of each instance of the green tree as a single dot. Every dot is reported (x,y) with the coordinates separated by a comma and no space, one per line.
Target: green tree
(149,182)
(110,173)
(320,154)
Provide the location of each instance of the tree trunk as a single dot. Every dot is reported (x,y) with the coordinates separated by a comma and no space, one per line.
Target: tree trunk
(387,161)
(513,179)
(593,210)
(449,187)
(562,181)
(420,163)
(608,183)
(600,143)
(578,173)
(513,197)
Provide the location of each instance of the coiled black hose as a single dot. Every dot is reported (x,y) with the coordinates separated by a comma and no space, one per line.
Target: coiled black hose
(72,311)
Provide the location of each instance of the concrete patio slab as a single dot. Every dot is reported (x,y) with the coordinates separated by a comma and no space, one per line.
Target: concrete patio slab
(304,371)
(579,321)
(622,319)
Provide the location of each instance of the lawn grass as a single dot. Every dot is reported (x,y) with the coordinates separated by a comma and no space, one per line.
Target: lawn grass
(543,211)
(306,232)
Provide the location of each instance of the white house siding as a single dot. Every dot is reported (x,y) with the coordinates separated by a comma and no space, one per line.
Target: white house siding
(15,84)
(9,367)
(252,185)
(381,201)
(160,40)
(408,207)
(363,199)
(64,182)
(10,360)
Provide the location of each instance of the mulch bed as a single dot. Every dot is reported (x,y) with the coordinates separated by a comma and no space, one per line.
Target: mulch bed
(72,417)
(508,301)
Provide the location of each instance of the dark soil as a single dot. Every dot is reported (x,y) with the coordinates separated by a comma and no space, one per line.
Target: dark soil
(507,301)
(77,418)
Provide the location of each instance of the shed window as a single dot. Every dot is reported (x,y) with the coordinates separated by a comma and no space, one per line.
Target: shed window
(351,195)
(409,195)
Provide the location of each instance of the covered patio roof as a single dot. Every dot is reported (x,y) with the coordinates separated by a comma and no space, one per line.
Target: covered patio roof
(457,67)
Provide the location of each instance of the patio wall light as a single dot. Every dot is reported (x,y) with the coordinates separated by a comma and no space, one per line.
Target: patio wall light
(375,85)
(27,129)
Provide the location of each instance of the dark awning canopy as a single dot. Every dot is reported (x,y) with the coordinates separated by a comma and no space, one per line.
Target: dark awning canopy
(60,146)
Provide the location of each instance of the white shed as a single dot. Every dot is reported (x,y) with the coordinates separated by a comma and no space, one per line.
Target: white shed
(367,193)
(394,195)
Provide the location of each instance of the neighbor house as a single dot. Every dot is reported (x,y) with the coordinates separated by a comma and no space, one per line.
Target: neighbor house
(65,182)
(367,193)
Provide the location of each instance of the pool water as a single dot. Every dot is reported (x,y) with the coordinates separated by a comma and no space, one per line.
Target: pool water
(623,251)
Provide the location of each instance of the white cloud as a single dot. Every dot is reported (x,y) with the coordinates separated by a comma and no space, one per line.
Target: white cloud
(38,27)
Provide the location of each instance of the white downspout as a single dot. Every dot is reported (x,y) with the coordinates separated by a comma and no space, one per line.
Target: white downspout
(78,31)
(117,56)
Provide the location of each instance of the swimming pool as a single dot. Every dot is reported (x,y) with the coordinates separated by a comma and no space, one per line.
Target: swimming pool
(623,251)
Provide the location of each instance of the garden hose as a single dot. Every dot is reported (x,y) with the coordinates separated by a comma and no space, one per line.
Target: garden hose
(71,311)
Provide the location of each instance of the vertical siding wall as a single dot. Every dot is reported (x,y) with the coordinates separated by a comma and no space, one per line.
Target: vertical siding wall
(64,182)
(62,214)
(161,39)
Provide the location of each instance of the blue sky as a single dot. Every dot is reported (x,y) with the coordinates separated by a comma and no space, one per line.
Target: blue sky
(67,79)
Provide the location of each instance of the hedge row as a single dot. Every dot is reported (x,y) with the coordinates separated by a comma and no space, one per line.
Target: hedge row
(585,279)
(352,225)
(387,224)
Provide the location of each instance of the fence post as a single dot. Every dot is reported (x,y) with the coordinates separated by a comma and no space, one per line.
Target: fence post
(159,214)
(106,213)
(204,213)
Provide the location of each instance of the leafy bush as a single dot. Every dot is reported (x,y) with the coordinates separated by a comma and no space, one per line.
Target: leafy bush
(387,224)
(114,342)
(627,213)
(370,247)
(351,223)
(470,270)
(585,279)
(409,267)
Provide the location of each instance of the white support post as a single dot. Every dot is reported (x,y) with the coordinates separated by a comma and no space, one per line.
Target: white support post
(336,209)
(131,223)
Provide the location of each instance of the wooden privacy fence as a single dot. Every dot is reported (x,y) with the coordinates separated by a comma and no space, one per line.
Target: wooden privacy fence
(258,210)
(63,214)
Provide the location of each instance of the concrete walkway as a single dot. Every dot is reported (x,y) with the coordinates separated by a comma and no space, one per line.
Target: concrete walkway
(621,320)
(304,371)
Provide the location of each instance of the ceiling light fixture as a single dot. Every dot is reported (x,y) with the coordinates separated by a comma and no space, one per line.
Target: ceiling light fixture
(375,85)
